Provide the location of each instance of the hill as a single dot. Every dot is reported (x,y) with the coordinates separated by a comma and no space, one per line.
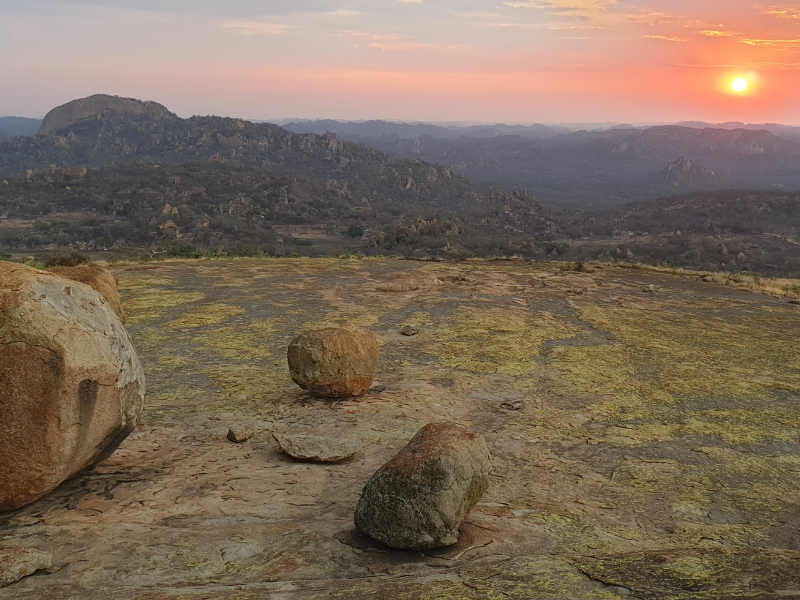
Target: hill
(15,126)
(367,129)
(99,106)
(221,207)
(134,178)
(611,168)
(726,230)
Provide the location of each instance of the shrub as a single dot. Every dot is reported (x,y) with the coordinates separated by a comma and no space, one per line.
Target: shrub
(184,252)
(355,232)
(67,260)
(460,254)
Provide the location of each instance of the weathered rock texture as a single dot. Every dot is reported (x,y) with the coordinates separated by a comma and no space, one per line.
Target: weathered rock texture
(316,448)
(100,280)
(16,563)
(71,386)
(100,105)
(334,362)
(418,499)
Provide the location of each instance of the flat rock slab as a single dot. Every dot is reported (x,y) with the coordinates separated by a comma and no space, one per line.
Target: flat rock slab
(317,449)
(16,563)
(633,449)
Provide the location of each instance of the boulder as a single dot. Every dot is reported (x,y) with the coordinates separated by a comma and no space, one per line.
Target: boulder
(97,278)
(71,386)
(409,330)
(16,563)
(240,436)
(418,499)
(334,362)
(317,449)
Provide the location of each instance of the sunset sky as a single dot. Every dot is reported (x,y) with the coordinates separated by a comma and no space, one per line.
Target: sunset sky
(631,61)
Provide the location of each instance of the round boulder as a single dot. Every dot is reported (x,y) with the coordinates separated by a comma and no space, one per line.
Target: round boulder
(334,362)
(418,499)
(71,386)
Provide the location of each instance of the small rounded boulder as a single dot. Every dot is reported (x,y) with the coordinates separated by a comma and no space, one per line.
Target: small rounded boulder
(418,499)
(334,362)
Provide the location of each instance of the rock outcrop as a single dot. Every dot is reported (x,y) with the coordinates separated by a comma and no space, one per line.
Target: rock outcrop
(682,172)
(71,386)
(16,563)
(100,280)
(334,362)
(101,105)
(418,499)
(317,449)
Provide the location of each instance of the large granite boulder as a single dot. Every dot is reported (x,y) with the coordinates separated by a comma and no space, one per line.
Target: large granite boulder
(418,499)
(334,362)
(99,279)
(71,386)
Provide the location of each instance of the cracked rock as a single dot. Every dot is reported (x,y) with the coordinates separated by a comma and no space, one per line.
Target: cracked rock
(317,449)
(16,563)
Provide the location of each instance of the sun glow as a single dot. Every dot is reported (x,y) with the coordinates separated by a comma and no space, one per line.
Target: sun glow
(739,84)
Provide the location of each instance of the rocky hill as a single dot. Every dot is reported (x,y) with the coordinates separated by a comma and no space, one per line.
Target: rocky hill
(126,180)
(100,106)
(682,172)
(611,168)
(4,136)
(725,230)
(217,206)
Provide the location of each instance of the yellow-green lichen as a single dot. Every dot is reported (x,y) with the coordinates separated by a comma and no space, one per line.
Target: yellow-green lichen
(496,341)
(210,314)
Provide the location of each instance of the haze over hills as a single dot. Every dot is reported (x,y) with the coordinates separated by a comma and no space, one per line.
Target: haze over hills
(612,167)
(111,174)
(14,126)
(370,129)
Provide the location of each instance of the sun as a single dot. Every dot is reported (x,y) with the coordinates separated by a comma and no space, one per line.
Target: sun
(739,84)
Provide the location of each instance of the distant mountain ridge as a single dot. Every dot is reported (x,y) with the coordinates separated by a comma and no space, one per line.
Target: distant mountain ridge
(14,126)
(367,129)
(611,167)
(787,131)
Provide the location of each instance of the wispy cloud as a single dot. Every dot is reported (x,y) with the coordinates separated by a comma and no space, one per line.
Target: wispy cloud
(715,33)
(783,13)
(663,38)
(344,12)
(410,1)
(392,42)
(561,6)
(776,44)
(256,27)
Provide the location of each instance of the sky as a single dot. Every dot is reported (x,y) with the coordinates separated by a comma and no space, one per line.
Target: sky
(512,61)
